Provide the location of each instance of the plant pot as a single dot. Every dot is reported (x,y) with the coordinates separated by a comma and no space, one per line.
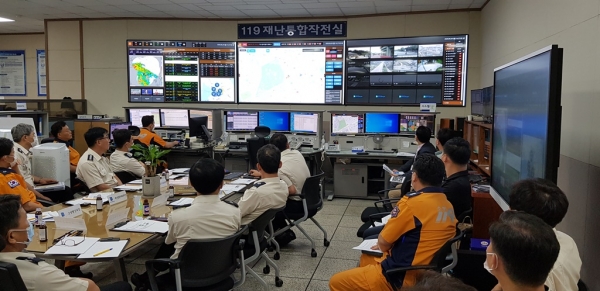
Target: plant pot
(151,186)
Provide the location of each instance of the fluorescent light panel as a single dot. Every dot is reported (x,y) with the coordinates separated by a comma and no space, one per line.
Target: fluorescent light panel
(2,19)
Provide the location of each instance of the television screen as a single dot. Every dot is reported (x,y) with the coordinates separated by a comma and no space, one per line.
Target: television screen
(342,124)
(437,65)
(135,116)
(208,113)
(304,122)
(291,72)
(115,126)
(174,117)
(526,118)
(409,122)
(241,120)
(275,120)
(381,123)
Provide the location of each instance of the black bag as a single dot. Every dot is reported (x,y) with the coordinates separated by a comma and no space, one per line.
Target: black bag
(285,238)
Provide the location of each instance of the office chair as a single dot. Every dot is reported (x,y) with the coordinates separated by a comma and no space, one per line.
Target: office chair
(262,131)
(313,203)
(256,247)
(135,131)
(253,145)
(375,214)
(10,279)
(581,286)
(47,140)
(202,265)
(126,177)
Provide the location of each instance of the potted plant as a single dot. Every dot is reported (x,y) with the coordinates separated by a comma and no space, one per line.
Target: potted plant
(150,155)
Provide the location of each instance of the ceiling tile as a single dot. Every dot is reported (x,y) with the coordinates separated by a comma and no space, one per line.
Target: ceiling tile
(105,8)
(430,2)
(325,11)
(459,6)
(464,2)
(167,7)
(261,13)
(319,5)
(51,3)
(219,8)
(478,3)
(251,7)
(393,9)
(83,2)
(77,9)
(153,14)
(358,11)
(291,12)
(94,15)
(230,13)
(355,4)
(429,7)
(119,2)
(136,8)
(151,1)
(190,6)
(122,14)
(285,6)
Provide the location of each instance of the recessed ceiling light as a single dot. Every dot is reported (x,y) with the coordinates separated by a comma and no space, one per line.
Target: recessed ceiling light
(2,19)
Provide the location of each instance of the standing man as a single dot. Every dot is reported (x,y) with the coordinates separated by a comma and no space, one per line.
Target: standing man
(93,169)
(148,136)
(121,160)
(10,181)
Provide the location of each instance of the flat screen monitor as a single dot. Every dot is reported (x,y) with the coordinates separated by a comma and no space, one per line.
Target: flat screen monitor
(304,122)
(275,120)
(198,127)
(135,116)
(291,72)
(241,120)
(527,116)
(115,126)
(409,122)
(383,123)
(477,102)
(345,124)
(487,99)
(174,117)
(207,113)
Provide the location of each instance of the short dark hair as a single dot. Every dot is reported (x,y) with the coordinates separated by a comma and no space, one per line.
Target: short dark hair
(280,141)
(121,137)
(429,169)
(57,127)
(458,150)
(9,216)
(434,281)
(269,157)
(93,134)
(526,245)
(6,146)
(147,120)
(423,134)
(206,175)
(541,198)
(444,135)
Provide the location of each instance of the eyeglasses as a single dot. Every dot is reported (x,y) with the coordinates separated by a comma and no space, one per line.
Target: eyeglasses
(70,242)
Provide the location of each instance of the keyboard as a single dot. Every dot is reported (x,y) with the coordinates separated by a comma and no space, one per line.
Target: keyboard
(233,175)
(379,151)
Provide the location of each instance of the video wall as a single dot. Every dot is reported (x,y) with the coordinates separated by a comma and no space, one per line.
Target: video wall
(398,71)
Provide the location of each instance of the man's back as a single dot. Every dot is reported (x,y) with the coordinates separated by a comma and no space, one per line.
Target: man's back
(266,194)
(458,191)
(293,169)
(565,273)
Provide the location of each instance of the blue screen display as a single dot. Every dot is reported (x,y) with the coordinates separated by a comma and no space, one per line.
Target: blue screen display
(381,123)
(276,121)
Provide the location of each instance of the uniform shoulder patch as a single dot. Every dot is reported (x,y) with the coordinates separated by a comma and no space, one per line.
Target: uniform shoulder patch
(20,150)
(129,155)
(13,183)
(90,157)
(395,211)
(31,260)
(258,184)
(413,194)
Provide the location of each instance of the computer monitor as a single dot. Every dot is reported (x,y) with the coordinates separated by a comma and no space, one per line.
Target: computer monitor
(477,102)
(174,117)
(115,126)
(241,120)
(382,123)
(347,123)
(275,120)
(307,122)
(409,122)
(207,113)
(135,116)
(198,127)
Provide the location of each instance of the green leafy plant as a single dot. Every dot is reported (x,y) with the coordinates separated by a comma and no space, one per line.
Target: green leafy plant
(149,155)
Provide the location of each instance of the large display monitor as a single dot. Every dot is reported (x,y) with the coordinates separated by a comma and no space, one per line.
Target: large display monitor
(275,120)
(135,116)
(241,120)
(295,72)
(174,118)
(477,102)
(181,71)
(207,113)
(382,123)
(307,122)
(347,123)
(411,70)
(527,119)
(409,122)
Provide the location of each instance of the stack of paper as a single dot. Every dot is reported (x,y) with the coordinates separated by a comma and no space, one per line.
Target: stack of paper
(69,248)
(146,226)
(243,181)
(179,182)
(80,201)
(46,216)
(232,188)
(182,202)
(366,245)
(104,249)
(404,154)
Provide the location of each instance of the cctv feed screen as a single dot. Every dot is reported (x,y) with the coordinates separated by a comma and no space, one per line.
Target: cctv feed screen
(135,116)
(409,122)
(413,70)
(291,72)
(181,71)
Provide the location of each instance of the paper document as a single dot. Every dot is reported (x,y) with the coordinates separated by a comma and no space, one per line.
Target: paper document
(80,201)
(181,171)
(46,216)
(69,247)
(232,187)
(129,188)
(182,202)
(104,249)
(136,182)
(93,196)
(386,218)
(366,245)
(179,182)
(397,179)
(173,177)
(243,181)
(147,226)
(404,154)
(52,187)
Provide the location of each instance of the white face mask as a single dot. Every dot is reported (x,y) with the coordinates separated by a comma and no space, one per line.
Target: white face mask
(485,264)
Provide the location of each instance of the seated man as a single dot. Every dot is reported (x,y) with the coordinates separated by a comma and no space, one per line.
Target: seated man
(24,136)
(457,187)
(61,133)
(148,136)
(267,193)
(422,136)
(10,181)
(443,135)
(121,160)
(293,172)
(545,200)
(208,217)
(522,251)
(421,223)
(16,233)
(93,169)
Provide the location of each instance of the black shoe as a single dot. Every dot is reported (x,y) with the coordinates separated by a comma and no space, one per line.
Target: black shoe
(141,281)
(76,272)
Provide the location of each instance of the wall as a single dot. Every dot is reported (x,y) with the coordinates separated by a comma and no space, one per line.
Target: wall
(513,28)
(30,43)
(105,65)
(64,59)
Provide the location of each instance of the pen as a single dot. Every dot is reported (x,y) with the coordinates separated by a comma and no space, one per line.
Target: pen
(102,252)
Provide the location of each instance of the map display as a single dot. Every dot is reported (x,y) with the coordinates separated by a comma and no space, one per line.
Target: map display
(217,89)
(146,71)
(345,124)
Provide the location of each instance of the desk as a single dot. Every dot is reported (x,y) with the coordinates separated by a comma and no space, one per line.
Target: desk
(181,157)
(485,212)
(361,176)
(312,156)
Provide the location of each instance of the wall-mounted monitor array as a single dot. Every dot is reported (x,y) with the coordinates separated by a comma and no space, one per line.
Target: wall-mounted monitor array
(277,121)
(168,118)
(405,71)
(388,123)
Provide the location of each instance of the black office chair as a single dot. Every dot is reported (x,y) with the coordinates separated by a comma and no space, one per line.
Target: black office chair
(126,177)
(10,279)
(313,203)
(256,247)
(135,131)
(253,145)
(375,214)
(47,140)
(262,131)
(581,286)
(202,265)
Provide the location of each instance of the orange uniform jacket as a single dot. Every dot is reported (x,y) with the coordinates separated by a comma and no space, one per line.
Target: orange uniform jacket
(149,137)
(13,183)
